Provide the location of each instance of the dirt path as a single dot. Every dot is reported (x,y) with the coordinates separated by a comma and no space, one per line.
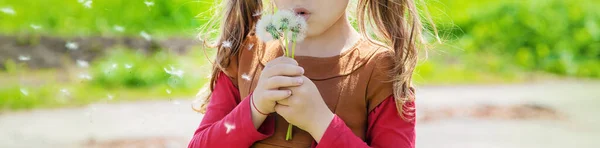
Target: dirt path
(566,115)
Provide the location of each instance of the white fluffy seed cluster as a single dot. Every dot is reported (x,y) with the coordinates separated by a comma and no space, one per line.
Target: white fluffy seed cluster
(284,22)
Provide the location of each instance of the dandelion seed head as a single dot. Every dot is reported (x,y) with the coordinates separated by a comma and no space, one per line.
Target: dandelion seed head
(262,28)
(283,18)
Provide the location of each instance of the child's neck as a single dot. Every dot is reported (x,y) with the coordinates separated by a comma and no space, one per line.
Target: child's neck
(341,36)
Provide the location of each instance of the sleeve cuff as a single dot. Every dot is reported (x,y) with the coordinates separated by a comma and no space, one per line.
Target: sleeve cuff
(336,128)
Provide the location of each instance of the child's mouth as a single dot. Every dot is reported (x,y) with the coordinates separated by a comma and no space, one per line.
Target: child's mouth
(302,12)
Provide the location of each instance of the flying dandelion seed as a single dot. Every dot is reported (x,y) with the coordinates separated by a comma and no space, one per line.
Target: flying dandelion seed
(65,92)
(226,44)
(149,3)
(229,127)
(145,35)
(250,46)
(72,46)
(119,28)
(128,66)
(174,72)
(86,3)
(246,77)
(85,76)
(35,27)
(82,64)
(24,91)
(109,97)
(257,13)
(8,10)
(168,91)
(24,58)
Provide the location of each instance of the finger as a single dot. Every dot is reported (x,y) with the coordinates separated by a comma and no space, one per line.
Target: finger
(276,95)
(281,60)
(285,102)
(283,70)
(283,110)
(277,82)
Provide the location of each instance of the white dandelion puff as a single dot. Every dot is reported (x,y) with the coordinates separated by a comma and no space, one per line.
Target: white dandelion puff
(24,91)
(265,30)
(110,97)
(298,29)
(168,91)
(35,26)
(8,10)
(229,127)
(24,58)
(114,65)
(145,35)
(226,44)
(174,72)
(246,77)
(82,63)
(119,28)
(282,20)
(72,46)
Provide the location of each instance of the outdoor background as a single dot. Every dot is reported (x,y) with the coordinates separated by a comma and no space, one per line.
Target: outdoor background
(125,73)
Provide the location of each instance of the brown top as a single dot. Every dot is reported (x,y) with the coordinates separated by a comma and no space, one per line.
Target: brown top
(352,83)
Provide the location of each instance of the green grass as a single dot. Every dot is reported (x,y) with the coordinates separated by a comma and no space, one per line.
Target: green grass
(146,79)
(71,18)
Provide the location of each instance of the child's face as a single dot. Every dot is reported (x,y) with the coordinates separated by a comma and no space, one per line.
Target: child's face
(321,14)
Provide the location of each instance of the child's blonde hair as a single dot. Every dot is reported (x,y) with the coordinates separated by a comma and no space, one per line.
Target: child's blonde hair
(396,23)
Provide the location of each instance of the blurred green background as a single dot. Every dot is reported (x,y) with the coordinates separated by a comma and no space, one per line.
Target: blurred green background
(121,50)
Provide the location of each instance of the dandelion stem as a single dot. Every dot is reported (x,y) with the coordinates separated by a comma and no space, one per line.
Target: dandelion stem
(288,136)
(293,48)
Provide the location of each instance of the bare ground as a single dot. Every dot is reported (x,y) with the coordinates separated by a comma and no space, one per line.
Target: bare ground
(544,114)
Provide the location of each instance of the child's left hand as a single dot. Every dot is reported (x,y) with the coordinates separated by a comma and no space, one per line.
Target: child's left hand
(306,109)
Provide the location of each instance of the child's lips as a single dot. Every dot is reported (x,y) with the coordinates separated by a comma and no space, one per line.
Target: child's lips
(302,12)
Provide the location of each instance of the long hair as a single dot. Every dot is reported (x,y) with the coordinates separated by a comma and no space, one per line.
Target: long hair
(237,19)
(394,22)
(397,24)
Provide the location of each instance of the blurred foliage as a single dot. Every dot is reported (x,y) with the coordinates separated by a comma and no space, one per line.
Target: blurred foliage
(561,37)
(104,17)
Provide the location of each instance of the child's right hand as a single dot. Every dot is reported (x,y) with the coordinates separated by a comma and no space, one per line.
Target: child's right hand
(278,73)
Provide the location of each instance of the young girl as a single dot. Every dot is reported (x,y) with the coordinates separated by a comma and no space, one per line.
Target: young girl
(342,89)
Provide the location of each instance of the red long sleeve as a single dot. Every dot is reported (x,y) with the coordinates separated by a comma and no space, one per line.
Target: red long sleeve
(385,129)
(228,121)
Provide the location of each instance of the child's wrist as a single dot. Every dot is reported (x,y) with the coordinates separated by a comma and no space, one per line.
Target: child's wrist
(322,124)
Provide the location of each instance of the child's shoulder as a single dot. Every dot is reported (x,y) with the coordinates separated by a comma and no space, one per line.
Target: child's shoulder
(381,57)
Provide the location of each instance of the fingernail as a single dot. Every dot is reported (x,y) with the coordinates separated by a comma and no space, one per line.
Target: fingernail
(289,92)
(302,70)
